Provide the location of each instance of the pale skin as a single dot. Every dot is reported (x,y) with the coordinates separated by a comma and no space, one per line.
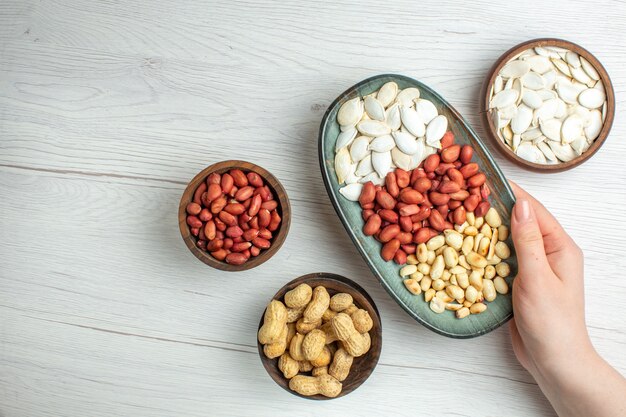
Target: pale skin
(548,333)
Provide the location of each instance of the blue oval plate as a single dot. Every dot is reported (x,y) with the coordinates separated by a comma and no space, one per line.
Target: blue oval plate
(502,198)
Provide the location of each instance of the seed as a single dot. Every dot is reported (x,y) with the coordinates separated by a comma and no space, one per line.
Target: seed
(493,218)
(443,296)
(453,280)
(503,269)
(492,244)
(407,270)
(455,291)
(436,270)
(436,242)
(440,251)
(494,260)
(500,285)
(454,306)
(461,227)
(446,275)
(479,222)
(463,280)
(468,245)
(413,286)
(425,283)
(476,280)
(476,260)
(502,250)
(470,218)
(438,284)
(462,313)
(486,231)
(471,294)
(453,238)
(490,272)
(471,231)
(437,305)
(412,259)
(431,257)
(417,276)
(489,290)
(450,256)
(483,247)
(429,295)
(458,270)
(503,232)
(422,252)
(424,268)
(463,262)
(477,240)
(477,308)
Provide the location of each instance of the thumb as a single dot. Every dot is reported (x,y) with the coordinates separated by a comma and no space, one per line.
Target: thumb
(527,237)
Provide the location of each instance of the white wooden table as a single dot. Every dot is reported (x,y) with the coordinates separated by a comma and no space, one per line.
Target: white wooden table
(108,108)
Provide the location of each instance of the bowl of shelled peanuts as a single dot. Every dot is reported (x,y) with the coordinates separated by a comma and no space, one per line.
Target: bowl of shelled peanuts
(234,215)
(320,336)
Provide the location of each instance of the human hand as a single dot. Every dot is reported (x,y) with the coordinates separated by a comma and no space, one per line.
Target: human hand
(548,331)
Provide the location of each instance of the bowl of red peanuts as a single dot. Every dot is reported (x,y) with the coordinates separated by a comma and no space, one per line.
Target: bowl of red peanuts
(234,215)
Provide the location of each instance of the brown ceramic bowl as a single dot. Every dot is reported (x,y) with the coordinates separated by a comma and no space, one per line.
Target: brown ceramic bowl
(279,235)
(489,125)
(363,366)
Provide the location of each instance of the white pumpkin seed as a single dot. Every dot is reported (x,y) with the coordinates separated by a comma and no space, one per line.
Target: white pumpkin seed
(568,92)
(373,177)
(533,81)
(374,108)
(591,98)
(572,59)
(412,121)
(393,117)
(564,153)
(531,134)
(550,79)
(436,129)
(514,69)
(539,64)
(561,109)
(547,152)
(387,93)
(504,98)
(508,112)
(351,191)
(551,128)
(498,84)
(593,129)
(405,142)
(400,159)
(365,166)
(373,128)
(358,149)
(381,161)
(515,142)
(345,138)
(547,110)
(350,112)
(342,165)
(589,69)
(383,143)
(571,128)
(407,96)
(532,99)
(561,66)
(426,109)
(547,94)
(580,75)
(522,119)
(530,153)
(420,155)
(578,145)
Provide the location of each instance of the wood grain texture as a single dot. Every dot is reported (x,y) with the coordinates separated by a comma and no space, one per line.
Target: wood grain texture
(108,108)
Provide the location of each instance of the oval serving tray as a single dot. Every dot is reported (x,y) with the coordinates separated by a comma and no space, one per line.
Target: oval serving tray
(502,198)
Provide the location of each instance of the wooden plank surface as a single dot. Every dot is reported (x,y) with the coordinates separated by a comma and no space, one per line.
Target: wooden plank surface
(108,108)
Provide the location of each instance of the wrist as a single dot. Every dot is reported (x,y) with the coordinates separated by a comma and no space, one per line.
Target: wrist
(563,371)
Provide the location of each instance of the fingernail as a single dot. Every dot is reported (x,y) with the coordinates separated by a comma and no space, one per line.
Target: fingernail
(522,210)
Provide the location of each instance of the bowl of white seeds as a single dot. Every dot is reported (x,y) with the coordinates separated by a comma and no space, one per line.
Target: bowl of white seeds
(548,105)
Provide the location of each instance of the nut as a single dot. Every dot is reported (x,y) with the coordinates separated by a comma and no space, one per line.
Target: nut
(502,250)
(362,321)
(501,286)
(503,269)
(299,296)
(320,301)
(288,365)
(324,384)
(340,301)
(313,344)
(274,321)
(340,366)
